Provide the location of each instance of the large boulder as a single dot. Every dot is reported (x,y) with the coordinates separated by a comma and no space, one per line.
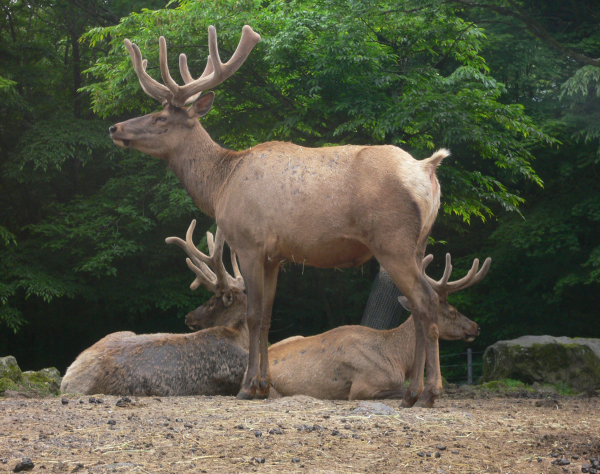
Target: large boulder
(545,359)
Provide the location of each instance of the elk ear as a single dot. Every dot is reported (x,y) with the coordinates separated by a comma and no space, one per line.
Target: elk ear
(202,105)
(228,298)
(404,302)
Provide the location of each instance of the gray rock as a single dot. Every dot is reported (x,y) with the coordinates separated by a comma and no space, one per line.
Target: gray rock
(10,369)
(374,408)
(545,359)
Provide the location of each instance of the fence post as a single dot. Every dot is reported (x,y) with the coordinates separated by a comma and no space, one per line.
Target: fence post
(469,366)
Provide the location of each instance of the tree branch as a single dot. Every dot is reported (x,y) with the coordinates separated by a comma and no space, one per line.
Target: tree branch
(533,26)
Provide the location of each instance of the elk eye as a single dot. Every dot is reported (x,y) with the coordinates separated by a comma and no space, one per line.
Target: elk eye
(162,118)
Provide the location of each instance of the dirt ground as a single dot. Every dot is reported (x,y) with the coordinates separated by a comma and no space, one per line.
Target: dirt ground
(298,435)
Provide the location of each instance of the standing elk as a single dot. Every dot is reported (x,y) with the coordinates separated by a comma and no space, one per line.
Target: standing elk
(360,363)
(207,362)
(326,207)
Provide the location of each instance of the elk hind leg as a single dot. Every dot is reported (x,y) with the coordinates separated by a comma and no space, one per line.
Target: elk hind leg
(424,304)
(253,273)
(271,273)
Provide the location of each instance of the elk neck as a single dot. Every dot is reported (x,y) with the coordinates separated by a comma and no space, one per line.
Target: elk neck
(203,167)
(401,344)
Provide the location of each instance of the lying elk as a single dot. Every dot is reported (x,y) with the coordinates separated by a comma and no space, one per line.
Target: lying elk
(360,363)
(326,207)
(207,362)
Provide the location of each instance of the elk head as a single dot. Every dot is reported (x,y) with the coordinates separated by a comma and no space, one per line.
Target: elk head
(160,133)
(228,306)
(451,323)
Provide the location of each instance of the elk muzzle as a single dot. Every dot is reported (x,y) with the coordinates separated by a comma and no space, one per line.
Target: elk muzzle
(114,135)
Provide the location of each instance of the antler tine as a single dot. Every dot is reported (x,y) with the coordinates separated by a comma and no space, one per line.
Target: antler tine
(151,87)
(220,71)
(441,285)
(471,278)
(443,288)
(237,280)
(164,69)
(187,77)
(204,275)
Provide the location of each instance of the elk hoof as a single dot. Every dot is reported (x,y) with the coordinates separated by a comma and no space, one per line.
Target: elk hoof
(424,403)
(263,384)
(437,392)
(254,383)
(244,395)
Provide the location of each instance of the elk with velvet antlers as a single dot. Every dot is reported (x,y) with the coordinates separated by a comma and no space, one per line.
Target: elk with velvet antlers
(326,207)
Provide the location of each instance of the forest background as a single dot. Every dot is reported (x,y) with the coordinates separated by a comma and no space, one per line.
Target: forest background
(512,88)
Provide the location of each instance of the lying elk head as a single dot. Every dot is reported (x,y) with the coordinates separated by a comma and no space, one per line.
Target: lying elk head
(160,133)
(451,323)
(228,306)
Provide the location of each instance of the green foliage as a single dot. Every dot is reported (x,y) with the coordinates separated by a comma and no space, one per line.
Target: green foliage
(340,73)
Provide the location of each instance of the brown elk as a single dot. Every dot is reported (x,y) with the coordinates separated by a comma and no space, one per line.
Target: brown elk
(360,363)
(326,207)
(208,362)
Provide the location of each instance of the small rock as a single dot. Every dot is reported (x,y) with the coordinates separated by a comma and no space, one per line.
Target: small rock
(178,420)
(25,465)
(295,460)
(260,460)
(440,447)
(123,401)
(240,427)
(188,425)
(64,401)
(258,433)
(111,422)
(548,403)
(335,433)
(347,427)
(407,445)
(421,454)
(374,408)
(438,455)
(454,451)
(275,431)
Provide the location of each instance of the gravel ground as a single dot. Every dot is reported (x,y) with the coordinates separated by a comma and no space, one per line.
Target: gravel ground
(298,435)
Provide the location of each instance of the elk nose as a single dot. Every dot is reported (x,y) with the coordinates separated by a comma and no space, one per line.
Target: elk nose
(112,129)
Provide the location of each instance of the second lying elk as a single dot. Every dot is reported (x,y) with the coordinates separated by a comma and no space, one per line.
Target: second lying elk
(208,362)
(325,207)
(360,363)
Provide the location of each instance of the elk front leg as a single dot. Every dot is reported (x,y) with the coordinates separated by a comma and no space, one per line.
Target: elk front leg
(415,387)
(271,273)
(253,273)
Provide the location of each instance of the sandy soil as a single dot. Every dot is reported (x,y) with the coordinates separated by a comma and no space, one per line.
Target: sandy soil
(297,435)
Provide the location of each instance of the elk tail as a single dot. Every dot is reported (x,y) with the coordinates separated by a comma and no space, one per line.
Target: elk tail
(434,160)
(430,164)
